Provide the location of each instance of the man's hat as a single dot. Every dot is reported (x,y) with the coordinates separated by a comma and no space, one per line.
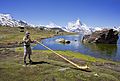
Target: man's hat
(27,33)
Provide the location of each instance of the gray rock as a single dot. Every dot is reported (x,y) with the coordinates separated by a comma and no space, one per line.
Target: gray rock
(105,36)
(61,40)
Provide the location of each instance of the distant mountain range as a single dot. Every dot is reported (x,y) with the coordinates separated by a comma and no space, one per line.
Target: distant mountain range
(8,20)
(74,26)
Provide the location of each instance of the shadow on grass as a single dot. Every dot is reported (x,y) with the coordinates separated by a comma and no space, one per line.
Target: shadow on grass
(41,62)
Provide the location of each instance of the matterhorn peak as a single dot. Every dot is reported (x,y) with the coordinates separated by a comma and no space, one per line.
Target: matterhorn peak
(78,22)
(78,26)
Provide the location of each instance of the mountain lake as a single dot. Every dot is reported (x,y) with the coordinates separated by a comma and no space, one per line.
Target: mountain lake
(105,51)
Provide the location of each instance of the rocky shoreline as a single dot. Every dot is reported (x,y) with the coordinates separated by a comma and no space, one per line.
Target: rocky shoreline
(105,36)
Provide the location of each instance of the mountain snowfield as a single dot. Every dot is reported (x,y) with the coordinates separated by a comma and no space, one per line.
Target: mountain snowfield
(78,26)
(74,26)
(117,28)
(8,20)
(52,25)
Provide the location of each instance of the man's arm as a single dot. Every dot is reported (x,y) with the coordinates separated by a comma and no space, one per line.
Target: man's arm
(32,41)
(25,40)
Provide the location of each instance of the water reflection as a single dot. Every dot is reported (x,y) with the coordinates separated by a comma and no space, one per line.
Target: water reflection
(104,49)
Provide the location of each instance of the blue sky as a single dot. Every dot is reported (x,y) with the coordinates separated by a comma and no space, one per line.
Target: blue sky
(90,12)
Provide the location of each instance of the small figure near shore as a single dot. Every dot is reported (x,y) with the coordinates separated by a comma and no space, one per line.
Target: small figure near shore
(27,47)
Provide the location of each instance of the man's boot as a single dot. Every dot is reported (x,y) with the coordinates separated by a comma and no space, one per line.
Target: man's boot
(30,61)
(25,63)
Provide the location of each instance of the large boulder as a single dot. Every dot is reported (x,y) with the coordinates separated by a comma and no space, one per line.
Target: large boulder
(63,41)
(105,36)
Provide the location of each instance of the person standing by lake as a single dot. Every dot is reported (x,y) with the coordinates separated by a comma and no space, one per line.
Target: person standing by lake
(27,47)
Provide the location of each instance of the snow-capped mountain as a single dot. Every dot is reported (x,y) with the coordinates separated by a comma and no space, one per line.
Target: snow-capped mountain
(117,28)
(95,29)
(8,20)
(77,26)
(52,25)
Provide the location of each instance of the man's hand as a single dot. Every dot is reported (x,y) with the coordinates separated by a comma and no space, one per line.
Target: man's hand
(34,41)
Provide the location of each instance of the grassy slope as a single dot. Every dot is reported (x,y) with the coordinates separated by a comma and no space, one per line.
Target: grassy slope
(13,34)
(48,66)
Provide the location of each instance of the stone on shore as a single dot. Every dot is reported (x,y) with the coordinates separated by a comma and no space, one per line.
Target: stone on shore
(61,40)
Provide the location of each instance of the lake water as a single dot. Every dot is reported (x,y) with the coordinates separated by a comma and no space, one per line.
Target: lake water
(106,51)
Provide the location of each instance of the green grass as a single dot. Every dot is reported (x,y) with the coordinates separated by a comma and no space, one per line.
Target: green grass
(72,55)
(11,68)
